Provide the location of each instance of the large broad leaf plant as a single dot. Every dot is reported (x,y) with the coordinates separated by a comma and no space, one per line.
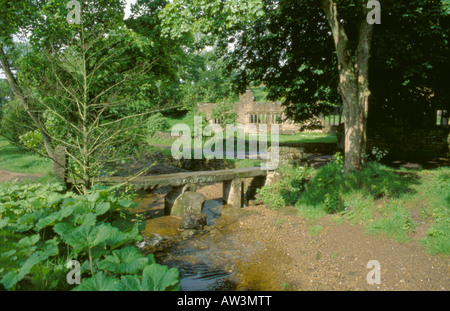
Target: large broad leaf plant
(42,229)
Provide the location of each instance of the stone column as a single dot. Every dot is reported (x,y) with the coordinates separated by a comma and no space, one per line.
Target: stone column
(233,192)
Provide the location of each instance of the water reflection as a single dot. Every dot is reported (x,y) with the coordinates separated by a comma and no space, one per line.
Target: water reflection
(198,269)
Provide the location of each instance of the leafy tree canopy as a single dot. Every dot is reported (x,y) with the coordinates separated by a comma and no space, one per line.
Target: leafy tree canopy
(287,45)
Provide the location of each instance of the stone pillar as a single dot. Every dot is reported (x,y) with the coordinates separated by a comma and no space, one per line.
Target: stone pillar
(170,199)
(59,165)
(233,192)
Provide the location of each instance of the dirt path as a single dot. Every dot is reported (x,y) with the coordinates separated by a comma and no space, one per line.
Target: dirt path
(334,259)
(275,250)
(10,176)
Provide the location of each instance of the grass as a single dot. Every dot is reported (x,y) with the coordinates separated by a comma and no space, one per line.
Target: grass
(309,137)
(15,159)
(315,230)
(298,138)
(437,210)
(392,202)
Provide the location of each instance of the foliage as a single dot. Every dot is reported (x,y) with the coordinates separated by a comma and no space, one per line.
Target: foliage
(14,120)
(32,140)
(374,180)
(156,123)
(225,113)
(5,94)
(45,228)
(287,45)
(410,63)
(326,187)
(174,57)
(208,81)
(316,55)
(438,235)
(287,190)
(83,84)
(379,154)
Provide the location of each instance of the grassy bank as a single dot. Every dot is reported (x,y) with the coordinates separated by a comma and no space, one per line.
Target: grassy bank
(401,204)
(15,159)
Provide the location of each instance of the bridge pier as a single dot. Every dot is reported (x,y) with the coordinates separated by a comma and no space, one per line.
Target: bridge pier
(233,192)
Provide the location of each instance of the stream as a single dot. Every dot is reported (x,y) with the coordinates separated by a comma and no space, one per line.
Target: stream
(205,258)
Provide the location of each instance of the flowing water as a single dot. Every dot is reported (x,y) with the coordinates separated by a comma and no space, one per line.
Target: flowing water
(205,260)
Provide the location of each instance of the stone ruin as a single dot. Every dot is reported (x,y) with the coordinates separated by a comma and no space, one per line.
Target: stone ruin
(251,114)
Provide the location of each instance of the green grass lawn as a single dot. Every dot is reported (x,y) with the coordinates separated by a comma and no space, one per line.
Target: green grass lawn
(306,137)
(15,159)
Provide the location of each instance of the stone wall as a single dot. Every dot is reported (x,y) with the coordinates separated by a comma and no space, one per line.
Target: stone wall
(410,142)
(251,114)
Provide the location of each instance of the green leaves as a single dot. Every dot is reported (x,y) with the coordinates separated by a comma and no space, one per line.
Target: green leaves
(154,278)
(127,260)
(95,228)
(12,277)
(100,282)
(159,278)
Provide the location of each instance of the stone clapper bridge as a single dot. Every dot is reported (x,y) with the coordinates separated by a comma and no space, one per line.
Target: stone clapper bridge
(233,182)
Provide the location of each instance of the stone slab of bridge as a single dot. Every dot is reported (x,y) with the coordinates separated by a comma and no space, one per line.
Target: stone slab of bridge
(233,181)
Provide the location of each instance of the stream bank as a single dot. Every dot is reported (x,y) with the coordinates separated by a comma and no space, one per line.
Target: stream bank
(256,248)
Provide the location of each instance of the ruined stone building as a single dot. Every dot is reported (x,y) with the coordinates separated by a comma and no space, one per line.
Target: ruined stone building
(251,112)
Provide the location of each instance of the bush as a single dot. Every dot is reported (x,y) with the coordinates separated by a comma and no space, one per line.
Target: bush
(287,190)
(328,184)
(43,229)
(225,113)
(156,123)
(33,140)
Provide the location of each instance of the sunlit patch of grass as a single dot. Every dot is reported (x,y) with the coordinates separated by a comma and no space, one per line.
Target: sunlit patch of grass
(15,159)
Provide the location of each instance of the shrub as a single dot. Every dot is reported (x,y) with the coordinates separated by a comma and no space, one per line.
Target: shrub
(156,123)
(327,185)
(43,229)
(287,190)
(330,183)
(438,235)
(32,140)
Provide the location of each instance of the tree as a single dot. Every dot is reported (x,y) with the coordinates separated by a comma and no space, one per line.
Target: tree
(224,112)
(207,81)
(78,82)
(353,66)
(5,94)
(173,56)
(410,66)
(314,54)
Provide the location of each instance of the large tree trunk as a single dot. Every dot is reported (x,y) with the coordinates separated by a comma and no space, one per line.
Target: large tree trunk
(17,90)
(353,83)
